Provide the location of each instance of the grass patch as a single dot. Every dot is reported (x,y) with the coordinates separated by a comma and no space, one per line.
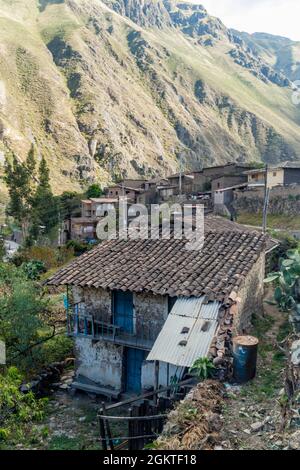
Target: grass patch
(261,325)
(65,443)
(280,221)
(284,331)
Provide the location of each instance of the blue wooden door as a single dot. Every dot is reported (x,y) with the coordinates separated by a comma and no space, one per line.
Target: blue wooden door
(134,362)
(123,310)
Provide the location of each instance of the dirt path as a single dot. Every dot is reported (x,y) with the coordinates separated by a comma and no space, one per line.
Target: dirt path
(251,416)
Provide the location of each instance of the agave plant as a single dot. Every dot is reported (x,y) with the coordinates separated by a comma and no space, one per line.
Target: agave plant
(203,368)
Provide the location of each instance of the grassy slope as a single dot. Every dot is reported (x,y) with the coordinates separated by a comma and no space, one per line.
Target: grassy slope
(269,102)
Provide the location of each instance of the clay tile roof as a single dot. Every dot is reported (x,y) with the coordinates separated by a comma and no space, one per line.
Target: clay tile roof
(166,266)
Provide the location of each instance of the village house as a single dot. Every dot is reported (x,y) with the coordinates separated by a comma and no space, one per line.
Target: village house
(203,180)
(283,174)
(83,228)
(120,190)
(141,312)
(228,181)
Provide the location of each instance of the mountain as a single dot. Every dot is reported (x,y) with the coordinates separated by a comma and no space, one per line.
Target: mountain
(281,53)
(117,88)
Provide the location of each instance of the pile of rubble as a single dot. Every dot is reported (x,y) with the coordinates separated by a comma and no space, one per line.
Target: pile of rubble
(196,422)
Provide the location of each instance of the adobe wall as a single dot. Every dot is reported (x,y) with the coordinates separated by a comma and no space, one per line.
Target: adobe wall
(250,298)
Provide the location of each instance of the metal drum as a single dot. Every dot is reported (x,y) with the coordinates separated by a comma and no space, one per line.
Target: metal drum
(244,358)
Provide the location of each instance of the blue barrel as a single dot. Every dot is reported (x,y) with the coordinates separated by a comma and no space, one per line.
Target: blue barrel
(244,358)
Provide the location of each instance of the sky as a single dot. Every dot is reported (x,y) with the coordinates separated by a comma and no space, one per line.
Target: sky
(280,17)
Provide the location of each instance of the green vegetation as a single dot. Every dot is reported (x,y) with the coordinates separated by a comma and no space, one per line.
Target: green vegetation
(202,368)
(22,308)
(94,190)
(271,362)
(287,285)
(31,202)
(18,411)
(44,207)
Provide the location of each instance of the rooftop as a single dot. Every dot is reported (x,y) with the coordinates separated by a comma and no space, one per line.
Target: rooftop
(278,166)
(166,267)
(104,200)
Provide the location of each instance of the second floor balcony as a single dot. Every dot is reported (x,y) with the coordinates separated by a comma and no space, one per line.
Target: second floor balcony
(95,326)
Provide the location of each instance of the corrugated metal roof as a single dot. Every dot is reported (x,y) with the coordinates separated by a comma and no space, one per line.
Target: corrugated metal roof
(187,333)
(195,307)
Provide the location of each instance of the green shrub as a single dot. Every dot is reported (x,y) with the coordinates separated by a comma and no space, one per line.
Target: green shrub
(203,368)
(78,247)
(57,349)
(17,410)
(33,269)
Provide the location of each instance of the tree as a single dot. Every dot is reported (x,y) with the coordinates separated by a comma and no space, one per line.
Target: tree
(21,314)
(69,204)
(94,190)
(20,180)
(45,211)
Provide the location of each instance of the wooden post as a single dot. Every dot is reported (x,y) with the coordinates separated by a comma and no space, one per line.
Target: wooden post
(110,440)
(102,430)
(266,201)
(130,430)
(156,377)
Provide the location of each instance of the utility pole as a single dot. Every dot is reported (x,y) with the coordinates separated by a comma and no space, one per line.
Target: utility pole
(180,174)
(266,200)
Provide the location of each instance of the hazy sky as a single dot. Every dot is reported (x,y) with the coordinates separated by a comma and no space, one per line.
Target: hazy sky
(281,17)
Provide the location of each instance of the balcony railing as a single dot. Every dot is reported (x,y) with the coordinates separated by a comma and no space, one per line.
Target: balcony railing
(82,324)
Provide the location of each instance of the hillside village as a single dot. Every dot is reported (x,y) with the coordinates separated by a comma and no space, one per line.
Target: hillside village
(119,303)
(149,231)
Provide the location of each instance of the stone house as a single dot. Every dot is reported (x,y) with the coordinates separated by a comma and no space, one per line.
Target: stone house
(201,180)
(141,312)
(83,228)
(227,181)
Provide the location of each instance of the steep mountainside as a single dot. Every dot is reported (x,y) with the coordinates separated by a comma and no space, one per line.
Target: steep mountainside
(280,52)
(124,87)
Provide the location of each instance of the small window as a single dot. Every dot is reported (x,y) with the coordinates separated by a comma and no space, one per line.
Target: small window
(274,173)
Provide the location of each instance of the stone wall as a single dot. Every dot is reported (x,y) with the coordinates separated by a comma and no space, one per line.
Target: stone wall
(100,362)
(97,301)
(151,312)
(250,298)
(283,200)
(103,362)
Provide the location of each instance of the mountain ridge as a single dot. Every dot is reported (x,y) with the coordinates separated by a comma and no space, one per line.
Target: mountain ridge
(127,87)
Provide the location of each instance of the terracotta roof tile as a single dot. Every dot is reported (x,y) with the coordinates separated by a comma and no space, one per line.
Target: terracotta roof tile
(166,267)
